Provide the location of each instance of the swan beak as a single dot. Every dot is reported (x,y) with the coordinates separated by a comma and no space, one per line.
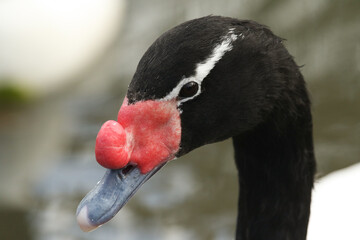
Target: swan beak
(109,195)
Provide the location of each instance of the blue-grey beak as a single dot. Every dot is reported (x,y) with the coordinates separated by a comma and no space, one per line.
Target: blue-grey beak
(109,195)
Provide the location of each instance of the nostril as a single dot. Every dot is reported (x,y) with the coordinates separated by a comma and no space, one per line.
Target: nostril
(125,171)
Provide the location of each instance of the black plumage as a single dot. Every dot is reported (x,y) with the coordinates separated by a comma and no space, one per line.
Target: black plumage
(254,94)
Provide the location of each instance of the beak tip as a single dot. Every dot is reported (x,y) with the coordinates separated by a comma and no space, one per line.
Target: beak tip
(84,221)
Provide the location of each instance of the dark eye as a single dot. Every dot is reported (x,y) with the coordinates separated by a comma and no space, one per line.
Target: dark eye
(189,90)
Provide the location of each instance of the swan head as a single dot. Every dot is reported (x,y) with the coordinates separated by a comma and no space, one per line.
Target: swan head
(201,82)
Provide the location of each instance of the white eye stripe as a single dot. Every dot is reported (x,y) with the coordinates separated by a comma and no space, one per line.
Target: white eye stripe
(203,68)
(175,92)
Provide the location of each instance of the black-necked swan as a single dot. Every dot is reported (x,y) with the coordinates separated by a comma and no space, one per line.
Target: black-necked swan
(201,82)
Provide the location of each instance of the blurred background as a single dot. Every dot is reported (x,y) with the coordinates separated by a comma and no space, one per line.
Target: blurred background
(64,69)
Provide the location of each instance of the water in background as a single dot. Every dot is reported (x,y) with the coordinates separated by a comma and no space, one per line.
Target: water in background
(47,144)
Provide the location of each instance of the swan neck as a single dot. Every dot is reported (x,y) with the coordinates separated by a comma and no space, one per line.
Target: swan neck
(276,173)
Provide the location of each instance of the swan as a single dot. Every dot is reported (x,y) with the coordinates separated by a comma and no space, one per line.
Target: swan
(204,81)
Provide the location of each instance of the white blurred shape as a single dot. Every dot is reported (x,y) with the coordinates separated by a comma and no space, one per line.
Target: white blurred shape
(45,43)
(335,209)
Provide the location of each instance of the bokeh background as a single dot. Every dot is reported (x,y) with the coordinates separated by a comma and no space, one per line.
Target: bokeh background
(64,69)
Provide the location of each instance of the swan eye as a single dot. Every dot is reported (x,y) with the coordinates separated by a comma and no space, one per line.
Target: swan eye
(189,89)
